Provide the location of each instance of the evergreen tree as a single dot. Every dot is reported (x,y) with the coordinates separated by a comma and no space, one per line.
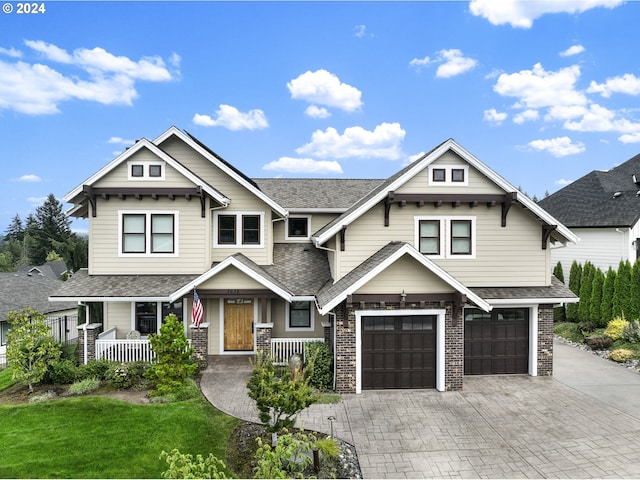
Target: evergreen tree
(559,314)
(634,309)
(75,251)
(595,313)
(586,285)
(15,230)
(51,224)
(575,275)
(606,308)
(622,290)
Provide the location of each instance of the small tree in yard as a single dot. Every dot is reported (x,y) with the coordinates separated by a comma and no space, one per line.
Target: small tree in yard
(30,346)
(606,309)
(596,296)
(279,399)
(622,290)
(173,362)
(575,275)
(586,285)
(559,314)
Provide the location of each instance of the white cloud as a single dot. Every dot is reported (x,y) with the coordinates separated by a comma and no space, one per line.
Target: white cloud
(36,201)
(30,178)
(37,88)
(121,141)
(537,88)
(563,182)
(492,115)
(521,14)
(304,165)
(324,88)
(232,119)
(627,83)
(383,142)
(572,50)
(558,147)
(455,63)
(413,158)
(630,137)
(526,116)
(420,63)
(314,111)
(360,31)
(11,52)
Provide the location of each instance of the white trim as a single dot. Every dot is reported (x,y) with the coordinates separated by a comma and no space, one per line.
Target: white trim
(523,302)
(238,243)
(440,336)
(445,235)
(299,237)
(145,164)
(238,178)
(312,315)
(111,299)
(533,340)
(426,262)
(147,236)
(231,261)
(448,175)
(303,210)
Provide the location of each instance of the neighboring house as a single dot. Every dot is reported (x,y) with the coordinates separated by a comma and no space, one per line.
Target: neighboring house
(54,269)
(22,290)
(440,271)
(603,210)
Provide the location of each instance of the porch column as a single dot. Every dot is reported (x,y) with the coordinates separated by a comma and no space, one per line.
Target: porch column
(263,339)
(545,340)
(453,349)
(200,341)
(87,336)
(345,325)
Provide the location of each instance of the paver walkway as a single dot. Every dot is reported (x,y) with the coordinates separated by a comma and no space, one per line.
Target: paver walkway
(497,427)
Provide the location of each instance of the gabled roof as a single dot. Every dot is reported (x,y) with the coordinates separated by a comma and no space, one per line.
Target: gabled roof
(400,178)
(322,194)
(599,199)
(20,290)
(223,165)
(332,294)
(301,267)
(556,292)
(162,155)
(54,269)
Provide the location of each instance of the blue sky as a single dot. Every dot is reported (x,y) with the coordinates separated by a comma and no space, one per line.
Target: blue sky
(543,92)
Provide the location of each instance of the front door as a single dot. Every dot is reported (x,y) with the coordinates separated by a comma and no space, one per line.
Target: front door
(238,324)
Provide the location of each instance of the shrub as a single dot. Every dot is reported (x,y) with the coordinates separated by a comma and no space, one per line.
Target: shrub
(621,355)
(278,399)
(615,327)
(173,362)
(598,342)
(185,465)
(126,375)
(62,371)
(586,327)
(328,447)
(43,397)
(84,386)
(631,332)
(288,459)
(95,369)
(188,390)
(319,369)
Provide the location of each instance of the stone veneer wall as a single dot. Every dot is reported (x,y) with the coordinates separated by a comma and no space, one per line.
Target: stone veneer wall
(545,340)
(92,331)
(453,350)
(263,340)
(200,341)
(345,349)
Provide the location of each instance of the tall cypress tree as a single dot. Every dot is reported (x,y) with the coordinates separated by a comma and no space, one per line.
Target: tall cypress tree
(575,274)
(622,290)
(586,285)
(634,309)
(558,273)
(595,314)
(559,313)
(606,308)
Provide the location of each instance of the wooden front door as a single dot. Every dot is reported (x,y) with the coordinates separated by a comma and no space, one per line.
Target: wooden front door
(238,324)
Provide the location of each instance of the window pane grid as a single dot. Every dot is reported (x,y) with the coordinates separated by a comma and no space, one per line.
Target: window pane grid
(429,237)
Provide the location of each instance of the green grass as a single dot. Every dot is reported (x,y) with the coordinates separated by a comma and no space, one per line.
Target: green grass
(99,437)
(6,379)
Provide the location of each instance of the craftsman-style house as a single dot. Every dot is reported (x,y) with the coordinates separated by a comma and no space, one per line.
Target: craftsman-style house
(440,271)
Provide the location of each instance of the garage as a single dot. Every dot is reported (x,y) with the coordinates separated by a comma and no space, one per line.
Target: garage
(496,342)
(399,351)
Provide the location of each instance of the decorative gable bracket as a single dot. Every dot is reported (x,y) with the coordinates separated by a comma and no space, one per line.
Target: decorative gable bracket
(547,230)
(455,199)
(93,193)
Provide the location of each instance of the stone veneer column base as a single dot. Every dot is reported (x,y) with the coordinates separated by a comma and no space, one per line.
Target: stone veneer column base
(545,340)
(263,339)
(200,341)
(92,331)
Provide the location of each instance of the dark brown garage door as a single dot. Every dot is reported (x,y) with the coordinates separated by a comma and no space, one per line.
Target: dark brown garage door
(496,342)
(399,351)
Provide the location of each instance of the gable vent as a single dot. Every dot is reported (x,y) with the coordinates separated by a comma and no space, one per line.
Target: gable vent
(636,178)
(617,194)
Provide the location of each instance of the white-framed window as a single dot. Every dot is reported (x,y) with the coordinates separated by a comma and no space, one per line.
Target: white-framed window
(147,317)
(148,233)
(146,170)
(300,316)
(448,175)
(298,227)
(446,237)
(238,229)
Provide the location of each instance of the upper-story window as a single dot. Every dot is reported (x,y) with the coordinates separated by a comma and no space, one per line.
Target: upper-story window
(298,227)
(142,170)
(446,237)
(238,229)
(449,175)
(148,233)
(300,316)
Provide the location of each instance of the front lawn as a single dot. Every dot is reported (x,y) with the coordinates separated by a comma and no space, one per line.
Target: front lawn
(99,437)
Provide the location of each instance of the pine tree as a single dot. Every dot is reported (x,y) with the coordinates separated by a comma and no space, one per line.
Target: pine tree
(622,290)
(50,224)
(606,307)
(15,230)
(595,313)
(586,285)
(575,275)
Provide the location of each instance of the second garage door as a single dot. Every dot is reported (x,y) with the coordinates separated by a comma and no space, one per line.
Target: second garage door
(399,351)
(496,342)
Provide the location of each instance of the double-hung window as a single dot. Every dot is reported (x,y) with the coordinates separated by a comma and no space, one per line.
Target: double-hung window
(446,237)
(300,316)
(148,233)
(238,229)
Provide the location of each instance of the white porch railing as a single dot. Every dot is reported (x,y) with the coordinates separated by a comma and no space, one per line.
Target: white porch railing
(283,348)
(124,350)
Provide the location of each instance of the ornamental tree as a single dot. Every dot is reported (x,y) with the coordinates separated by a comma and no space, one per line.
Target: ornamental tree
(606,309)
(575,275)
(30,346)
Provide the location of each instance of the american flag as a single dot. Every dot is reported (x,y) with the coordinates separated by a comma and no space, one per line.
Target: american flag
(197,312)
